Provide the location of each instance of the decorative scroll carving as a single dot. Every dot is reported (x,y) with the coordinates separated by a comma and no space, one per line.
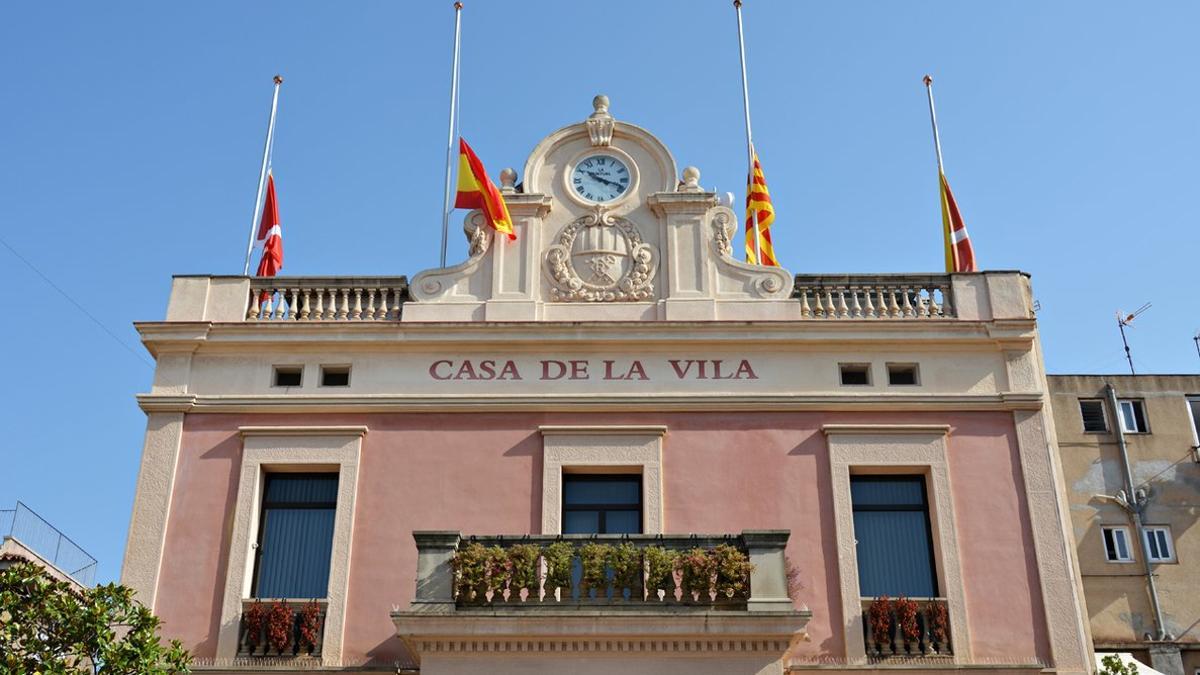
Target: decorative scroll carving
(600,124)
(723,229)
(617,264)
(479,235)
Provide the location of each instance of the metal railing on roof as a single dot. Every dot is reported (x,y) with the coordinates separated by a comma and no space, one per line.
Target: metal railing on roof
(56,548)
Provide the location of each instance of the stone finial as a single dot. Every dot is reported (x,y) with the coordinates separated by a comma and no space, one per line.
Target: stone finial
(725,199)
(691,180)
(600,123)
(508,180)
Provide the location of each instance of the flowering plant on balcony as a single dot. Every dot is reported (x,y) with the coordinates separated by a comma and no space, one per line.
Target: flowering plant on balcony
(254,618)
(879,615)
(939,624)
(280,620)
(558,565)
(660,566)
(906,619)
(523,563)
(594,558)
(626,563)
(310,626)
(733,571)
(478,569)
(699,571)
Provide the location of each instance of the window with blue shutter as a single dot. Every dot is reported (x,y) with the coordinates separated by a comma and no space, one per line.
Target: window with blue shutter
(894,542)
(295,536)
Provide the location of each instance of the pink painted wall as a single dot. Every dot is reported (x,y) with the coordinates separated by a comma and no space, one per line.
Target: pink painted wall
(481,474)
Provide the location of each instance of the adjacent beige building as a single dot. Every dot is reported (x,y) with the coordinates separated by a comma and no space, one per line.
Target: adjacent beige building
(1157,419)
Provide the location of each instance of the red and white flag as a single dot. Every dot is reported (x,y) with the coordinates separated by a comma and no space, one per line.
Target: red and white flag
(270,236)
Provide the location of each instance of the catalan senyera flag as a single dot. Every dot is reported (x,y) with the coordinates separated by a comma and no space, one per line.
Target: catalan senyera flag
(476,191)
(960,256)
(758,201)
(270,235)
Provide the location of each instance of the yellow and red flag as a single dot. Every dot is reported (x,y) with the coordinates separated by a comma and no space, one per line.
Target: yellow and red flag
(476,191)
(758,202)
(960,256)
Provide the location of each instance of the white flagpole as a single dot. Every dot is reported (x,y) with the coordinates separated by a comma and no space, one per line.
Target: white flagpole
(450,141)
(262,173)
(737,8)
(937,141)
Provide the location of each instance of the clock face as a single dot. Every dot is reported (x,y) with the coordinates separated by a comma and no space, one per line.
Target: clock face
(600,178)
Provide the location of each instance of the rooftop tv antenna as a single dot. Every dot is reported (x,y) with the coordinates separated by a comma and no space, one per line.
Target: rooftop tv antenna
(1196,339)
(1122,322)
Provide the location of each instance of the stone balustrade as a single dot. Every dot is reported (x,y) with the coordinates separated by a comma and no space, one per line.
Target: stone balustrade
(891,296)
(304,634)
(985,296)
(326,298)
(891,631)
(748,571)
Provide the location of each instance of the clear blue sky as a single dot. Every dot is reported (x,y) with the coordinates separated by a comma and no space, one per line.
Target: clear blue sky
(130,136)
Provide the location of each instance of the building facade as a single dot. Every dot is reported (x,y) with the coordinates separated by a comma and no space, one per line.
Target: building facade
(1123,435)
(503,465)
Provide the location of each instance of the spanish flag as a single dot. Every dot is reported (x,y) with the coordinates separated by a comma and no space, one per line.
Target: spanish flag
(960,256)
(476,191)
(758,200)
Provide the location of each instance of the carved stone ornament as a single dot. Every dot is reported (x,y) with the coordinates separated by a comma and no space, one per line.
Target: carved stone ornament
(600,123)
(601,258)
(723,229)
(478,233)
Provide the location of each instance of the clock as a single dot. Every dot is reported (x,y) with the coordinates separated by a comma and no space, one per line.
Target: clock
(600,178)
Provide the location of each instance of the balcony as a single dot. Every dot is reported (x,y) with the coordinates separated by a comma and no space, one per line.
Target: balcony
(281,629)
(25,534)
(596,593)
(900,628)
(348,299)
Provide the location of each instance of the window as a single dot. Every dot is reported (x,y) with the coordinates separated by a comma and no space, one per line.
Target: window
(1092,411)
(335,376)
(1133,417)
(855,373)
(295,537)
(287,376)
(602,504)
(1194,409)
(1116,544)
(893,536)
(1158,543)
(900,374)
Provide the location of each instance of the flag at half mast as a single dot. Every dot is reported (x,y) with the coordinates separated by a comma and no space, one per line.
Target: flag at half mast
(960,256)
(758,203)
(477,191)
(270,235)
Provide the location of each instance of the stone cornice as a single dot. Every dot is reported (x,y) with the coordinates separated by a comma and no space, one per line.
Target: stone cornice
(604,430)
(615,335)
(315,430)
(193,403)
(935,429)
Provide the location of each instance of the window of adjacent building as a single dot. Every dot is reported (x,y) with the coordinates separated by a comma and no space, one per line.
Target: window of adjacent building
(1133,417)
(1092,411)
(287,376)
(602,504)
(1194,409)
(1116,544)
(335,376)
(1158,543)
(855,373)
(893,536)
(902,374)
(295,537)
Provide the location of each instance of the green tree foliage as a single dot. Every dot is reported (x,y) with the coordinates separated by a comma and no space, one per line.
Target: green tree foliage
(1112,665)
(46,626)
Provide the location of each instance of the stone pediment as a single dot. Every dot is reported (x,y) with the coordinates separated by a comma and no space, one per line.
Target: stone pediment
(607,230)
